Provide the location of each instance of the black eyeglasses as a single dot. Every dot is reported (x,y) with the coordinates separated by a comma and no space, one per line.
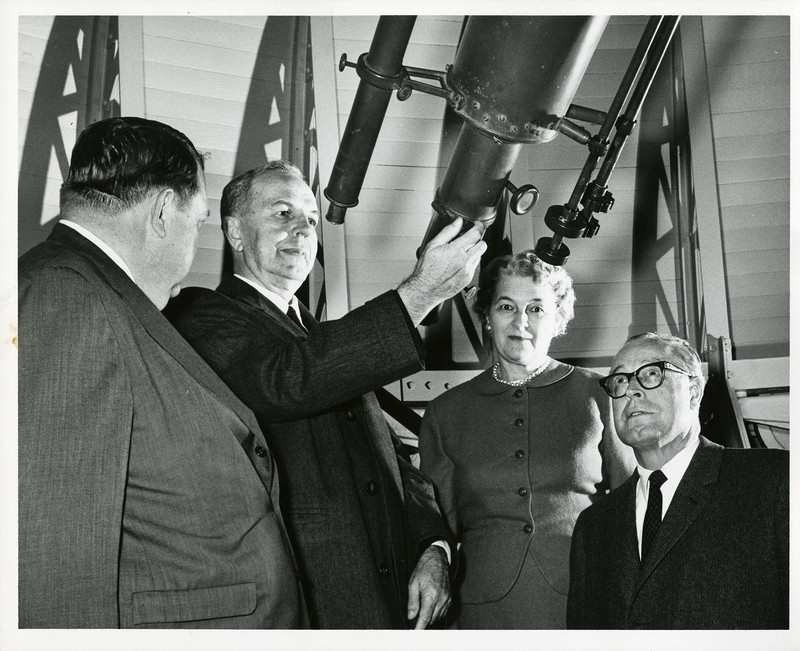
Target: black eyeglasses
(649,376)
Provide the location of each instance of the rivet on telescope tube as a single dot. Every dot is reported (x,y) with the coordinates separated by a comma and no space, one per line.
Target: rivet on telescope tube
(502,118)
(528,126)
(513,128)
(476,105)
(485,117)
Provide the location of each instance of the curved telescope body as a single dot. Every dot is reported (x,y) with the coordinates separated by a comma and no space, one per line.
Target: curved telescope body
(518,74)
(513,80)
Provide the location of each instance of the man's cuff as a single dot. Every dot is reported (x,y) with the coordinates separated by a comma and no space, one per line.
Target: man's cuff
(445,546)
(415,336)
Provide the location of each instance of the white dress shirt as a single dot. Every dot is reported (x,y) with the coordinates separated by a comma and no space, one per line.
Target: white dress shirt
(674,471)
(281,303)
(105,248)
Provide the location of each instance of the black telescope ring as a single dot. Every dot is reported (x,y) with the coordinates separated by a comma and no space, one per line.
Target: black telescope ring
(384,82)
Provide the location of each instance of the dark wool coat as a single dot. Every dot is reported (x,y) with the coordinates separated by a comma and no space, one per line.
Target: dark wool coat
(719,561)
(358,512)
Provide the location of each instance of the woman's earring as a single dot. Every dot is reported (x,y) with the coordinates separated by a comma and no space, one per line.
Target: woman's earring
(488,327)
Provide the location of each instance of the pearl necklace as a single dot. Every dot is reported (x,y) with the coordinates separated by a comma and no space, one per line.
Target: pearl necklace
(519,383)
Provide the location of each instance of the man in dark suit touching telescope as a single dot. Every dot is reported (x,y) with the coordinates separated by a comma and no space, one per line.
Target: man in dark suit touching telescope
(370,541)
(698,537)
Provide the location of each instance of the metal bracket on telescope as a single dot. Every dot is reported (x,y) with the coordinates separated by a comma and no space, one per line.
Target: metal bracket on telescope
(592,227)
(552,250)
(571,130)
(598,146)
(403,82)
(597,198)
(564,222)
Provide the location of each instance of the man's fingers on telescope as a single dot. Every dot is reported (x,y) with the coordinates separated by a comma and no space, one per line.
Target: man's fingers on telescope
(474,257)
(475,251)
(447,234)
(468,240)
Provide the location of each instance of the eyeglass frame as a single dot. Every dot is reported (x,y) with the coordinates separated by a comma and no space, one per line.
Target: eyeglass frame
(663,365)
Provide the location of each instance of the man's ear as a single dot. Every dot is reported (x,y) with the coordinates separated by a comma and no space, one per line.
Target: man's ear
(233,232)
(161,211)
(696,392)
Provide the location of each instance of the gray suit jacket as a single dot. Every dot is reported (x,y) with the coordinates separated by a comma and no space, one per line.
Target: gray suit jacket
(720,559)
(358,512)
(514,466)
(147,494)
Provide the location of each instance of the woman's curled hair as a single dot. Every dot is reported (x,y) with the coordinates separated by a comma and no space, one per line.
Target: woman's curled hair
(526,264)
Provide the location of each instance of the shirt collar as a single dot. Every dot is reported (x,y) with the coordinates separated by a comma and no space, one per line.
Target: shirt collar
(675,468)
(278,301)
(100,244)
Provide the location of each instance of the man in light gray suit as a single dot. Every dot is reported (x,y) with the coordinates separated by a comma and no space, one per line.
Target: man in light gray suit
(147,494)
(698,537)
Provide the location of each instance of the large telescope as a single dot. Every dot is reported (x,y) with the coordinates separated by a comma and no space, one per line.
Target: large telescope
(512,83)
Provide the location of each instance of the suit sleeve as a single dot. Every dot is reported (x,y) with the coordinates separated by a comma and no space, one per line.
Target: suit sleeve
(437,465)
(424,520)
(284,377)
(576,600)
(75,415)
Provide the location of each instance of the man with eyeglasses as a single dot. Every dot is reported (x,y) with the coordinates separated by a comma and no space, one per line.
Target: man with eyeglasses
(698,537)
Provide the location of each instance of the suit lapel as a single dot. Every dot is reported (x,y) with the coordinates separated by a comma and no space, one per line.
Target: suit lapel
(689,500)
(236,288)
(151,319)
(375,424)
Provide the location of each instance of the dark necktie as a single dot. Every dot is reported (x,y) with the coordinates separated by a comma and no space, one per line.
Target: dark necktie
(652,516)
(292,314)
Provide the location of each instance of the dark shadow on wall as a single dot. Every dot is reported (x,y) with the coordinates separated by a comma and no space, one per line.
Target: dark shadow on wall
(279,106)
(655,177)
(66,63)
(270,88)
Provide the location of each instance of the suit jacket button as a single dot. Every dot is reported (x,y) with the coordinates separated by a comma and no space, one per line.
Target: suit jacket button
(372,487)
(260,451)
(383,570)
(522,492)
(528,528)
(350,414)
(519,422)
(518,393)
(519,454)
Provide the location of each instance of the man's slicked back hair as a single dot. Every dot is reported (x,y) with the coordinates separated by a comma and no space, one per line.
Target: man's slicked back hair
(686,357)
(117,162)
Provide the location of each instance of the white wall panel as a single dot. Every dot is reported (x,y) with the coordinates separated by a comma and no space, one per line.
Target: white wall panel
(407,163)
(199,76)
(748,72)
